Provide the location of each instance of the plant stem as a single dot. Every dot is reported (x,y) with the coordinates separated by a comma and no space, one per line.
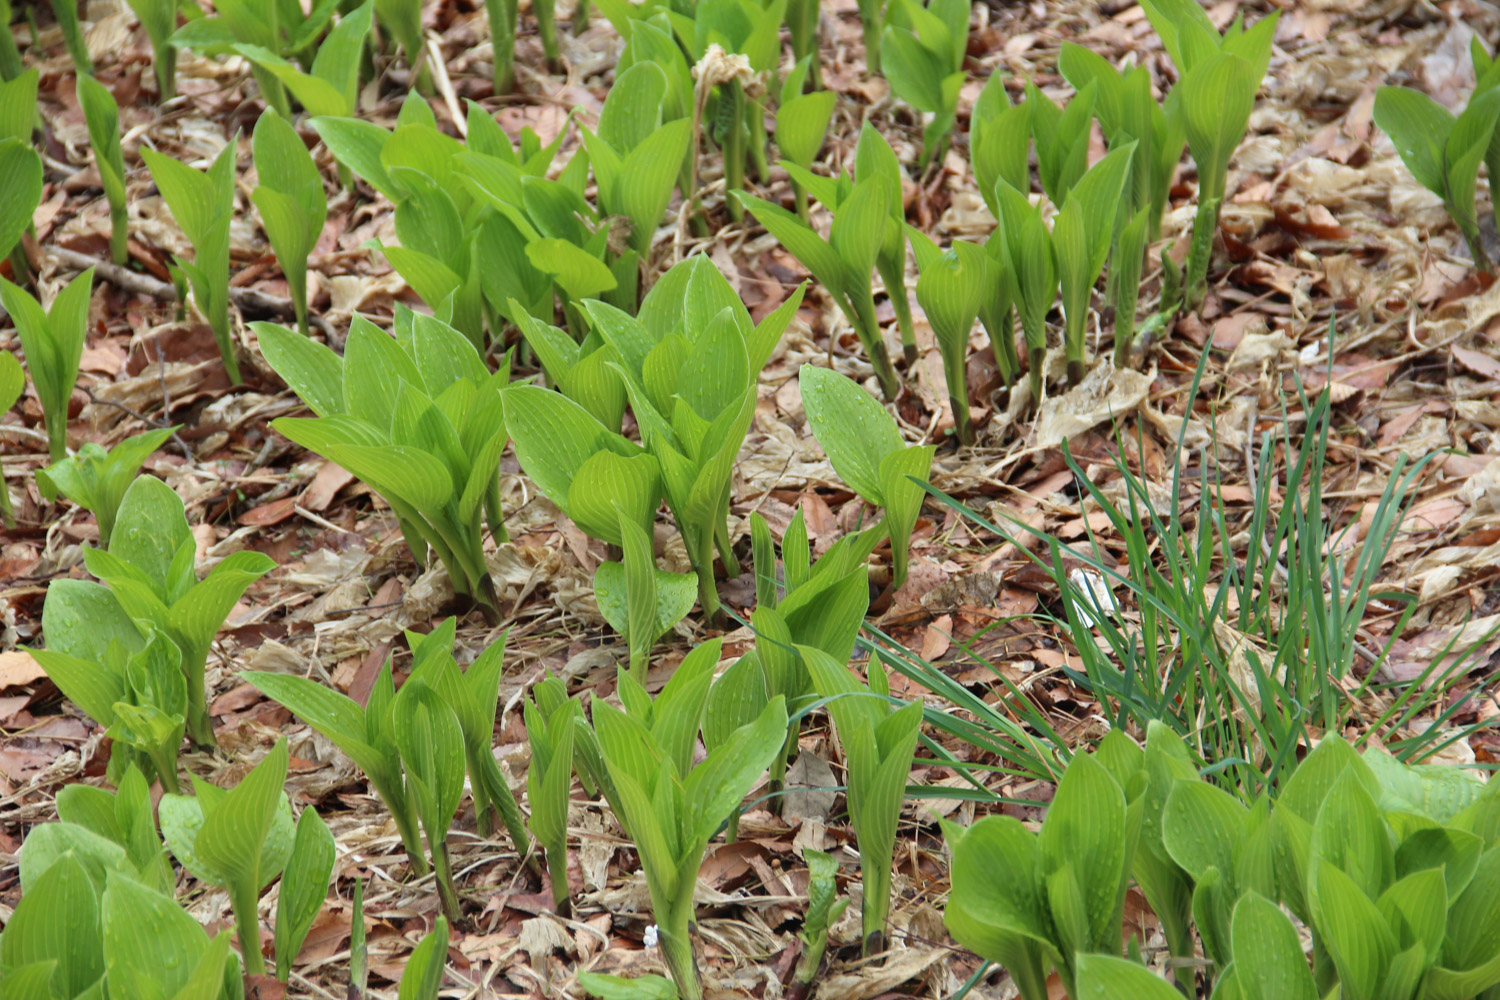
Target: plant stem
(708,594)
(502,16)
(1036,359)
(245,900)
(674,926)
(444,873)
(865,325)
(581,17)
(893,275)
(1077,368)
(1195,281)
(119,220)
(405,816)
(734,149)
(200,727)
(800,197)
(755,121)
(557,871)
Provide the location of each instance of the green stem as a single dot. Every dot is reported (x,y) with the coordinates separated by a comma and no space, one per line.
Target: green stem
(444,872)
(755,120)
(1195,281)
(119,221)
(581,17)
(244,900)
(502,17)
(557,872)
(20,267)
(799,195)
(734,149)
(165,759)
(893,275)
(871,21)
(708,594)
(510,812)
(546,23)
(200,727)
(875,874)
(865,325)
(674,929)
(403,811)
(1036,359)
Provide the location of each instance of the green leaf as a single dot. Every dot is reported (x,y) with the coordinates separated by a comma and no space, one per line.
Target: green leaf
(1269,961)
(151,945)
(238,837)
(854,429)
(314,372)
(53,341)
(1085,828)
(1103,977)
(802,125)
(21,178)
(645,987)
(1202,826)
(424,969)
(581,274)
(1218,95)
(431,744)
(1353,931)
(58,920)
(304,885)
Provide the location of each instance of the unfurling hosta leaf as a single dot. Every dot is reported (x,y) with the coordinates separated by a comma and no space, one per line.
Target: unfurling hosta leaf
(151,578)
(238,840)
(53,340)
(670,807)
(159,18)
(423,976)
(868,452)
(1061,137)
(21,179)
(96,479)
(291,202)
(428,400)
(951,291)
(922,52)
(1080,240)
(203,204)
(548,781)
(365,735)
(304,884)
(878,742)
(1029,252)
(824,908)
(103,119)
(432,751)
(125,817)
(640,601)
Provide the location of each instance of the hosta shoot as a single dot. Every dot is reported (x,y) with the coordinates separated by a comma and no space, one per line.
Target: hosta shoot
(473,696)
(951,290)
(332,85)
(53,340)
(802,122)
(1061,138)
(431,742)
(640,601)
(102,116)
(1444,152)
(1033,902)
(420,419)
(89,922)
(291,202)
(96,480)
(869,454)
(549,778)
(1027,248)
(151,579)
(239,840)
(824,908)
(1080,242)
(304,885)
(366,735)
(1218,77)
(203,205)
(125,817)
(879,740)
(922,55)
(672,807)
(423,975)
(843,262)
(690,363)
(138,694)
(159,18)
(66,12)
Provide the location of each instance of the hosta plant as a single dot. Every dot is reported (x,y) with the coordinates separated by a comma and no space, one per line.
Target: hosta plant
(1033,902)
(1081,236)
(53,340)
(431,742)
(102,116)
(922,55)
(330,85)
(690,362)
(1218,76)
(291,202)
(1487,78)
(549,778)
(639,600)
(583,372)
(242,839)
(88,925)
(96,480)
(149,577)
(951,290)
(125,817)
(1443,152)
(842,263)
(1061,138)
(12,384)
(203,204)
(367,735)
(1025,245)
(66,12)
(420,419)
(879,740)
(159,18)
(423,975)
(824,908)
(869,454)
(802,122)
(473,696)
(139,695)
(670,806)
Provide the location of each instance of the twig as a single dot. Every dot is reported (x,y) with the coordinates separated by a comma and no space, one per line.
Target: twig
(158,424)
(247,299)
